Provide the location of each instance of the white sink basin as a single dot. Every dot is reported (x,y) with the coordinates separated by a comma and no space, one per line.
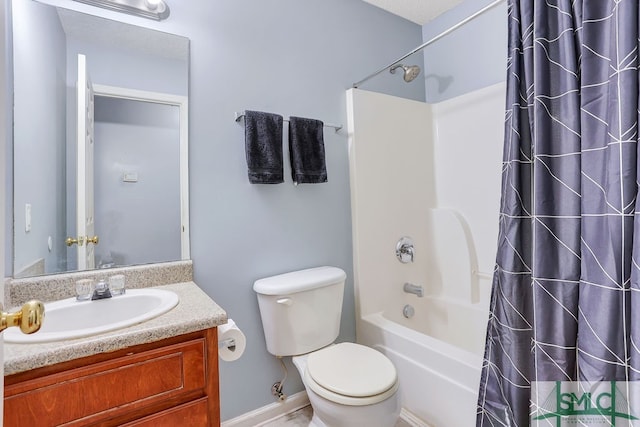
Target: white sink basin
(68,318)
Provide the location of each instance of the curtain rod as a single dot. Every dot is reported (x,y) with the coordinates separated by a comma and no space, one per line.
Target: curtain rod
(436,38)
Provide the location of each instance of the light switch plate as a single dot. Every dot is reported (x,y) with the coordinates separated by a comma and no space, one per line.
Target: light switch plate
(130,177)
(27,217)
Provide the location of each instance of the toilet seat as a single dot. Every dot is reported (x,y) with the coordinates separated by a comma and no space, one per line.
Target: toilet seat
(351,374)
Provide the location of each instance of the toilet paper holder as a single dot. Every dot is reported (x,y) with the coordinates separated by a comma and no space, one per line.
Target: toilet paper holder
(229,343)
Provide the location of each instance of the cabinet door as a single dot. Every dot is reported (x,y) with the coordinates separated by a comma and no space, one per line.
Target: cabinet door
(97,392)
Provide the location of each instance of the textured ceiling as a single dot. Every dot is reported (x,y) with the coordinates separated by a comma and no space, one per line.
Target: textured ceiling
(114,33)
(418,11)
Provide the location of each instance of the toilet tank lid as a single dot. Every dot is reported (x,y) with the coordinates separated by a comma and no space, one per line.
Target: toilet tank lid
(298,281)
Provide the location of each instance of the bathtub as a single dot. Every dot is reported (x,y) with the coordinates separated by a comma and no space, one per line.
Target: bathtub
(438,356)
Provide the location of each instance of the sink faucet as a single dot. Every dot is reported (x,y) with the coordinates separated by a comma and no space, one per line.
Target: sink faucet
(417,290)
(101,291)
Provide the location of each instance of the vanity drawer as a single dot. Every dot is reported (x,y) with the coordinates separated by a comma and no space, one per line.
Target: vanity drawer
(190,414)
(109,389)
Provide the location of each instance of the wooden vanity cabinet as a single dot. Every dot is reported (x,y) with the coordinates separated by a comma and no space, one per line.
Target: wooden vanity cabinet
(173,382)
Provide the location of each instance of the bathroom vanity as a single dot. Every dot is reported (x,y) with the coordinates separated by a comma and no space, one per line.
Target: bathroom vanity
(163,372)
(167,383)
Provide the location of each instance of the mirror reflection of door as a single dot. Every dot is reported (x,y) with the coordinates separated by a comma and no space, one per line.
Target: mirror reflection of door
(84,184)
(127,165)
(136,181)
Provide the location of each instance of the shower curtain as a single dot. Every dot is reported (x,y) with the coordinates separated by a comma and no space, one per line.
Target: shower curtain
(564,305)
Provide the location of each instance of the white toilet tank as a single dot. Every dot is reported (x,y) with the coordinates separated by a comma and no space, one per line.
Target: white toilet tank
(301,310)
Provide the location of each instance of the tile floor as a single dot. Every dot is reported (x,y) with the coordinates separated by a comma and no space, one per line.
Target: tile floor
(301,418)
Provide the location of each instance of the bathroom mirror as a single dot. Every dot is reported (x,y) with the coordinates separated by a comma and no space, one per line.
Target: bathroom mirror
(118,195)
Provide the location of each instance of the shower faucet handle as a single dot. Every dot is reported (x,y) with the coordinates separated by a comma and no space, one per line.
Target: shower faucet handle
(405,250)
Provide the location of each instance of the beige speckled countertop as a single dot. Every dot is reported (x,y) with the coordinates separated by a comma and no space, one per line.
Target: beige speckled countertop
(195,311)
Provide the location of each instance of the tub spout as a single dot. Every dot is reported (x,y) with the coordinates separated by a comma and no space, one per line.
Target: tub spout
(417,290)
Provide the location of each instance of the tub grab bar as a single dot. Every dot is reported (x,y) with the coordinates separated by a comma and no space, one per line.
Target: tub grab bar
(483,275)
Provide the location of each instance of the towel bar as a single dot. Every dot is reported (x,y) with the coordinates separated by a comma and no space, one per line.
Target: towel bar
(240,115)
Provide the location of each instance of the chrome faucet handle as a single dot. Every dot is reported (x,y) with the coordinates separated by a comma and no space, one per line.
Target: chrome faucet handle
(101,291)
(405,250)
(117,284)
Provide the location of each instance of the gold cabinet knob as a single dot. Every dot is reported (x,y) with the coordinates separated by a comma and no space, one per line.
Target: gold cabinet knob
(70,241)
(93,240)
(29,318)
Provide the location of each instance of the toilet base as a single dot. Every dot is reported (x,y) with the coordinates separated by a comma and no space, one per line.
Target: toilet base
(330,414)
(316,422)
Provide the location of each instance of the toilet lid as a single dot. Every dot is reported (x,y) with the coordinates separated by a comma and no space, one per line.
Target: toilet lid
(352,370)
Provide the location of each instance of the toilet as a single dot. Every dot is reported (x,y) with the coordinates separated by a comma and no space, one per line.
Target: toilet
(348,384)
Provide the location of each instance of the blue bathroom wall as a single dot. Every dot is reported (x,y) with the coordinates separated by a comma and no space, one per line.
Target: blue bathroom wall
(5,143)
(6,137)
(471,57)
(294,58)
(39,114)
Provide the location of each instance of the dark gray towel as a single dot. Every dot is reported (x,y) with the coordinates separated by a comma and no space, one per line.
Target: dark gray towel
(306,150)
(263,145)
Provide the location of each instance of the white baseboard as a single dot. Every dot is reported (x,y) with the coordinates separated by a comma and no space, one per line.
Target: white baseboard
(294,402)
(269,412)
(411,419)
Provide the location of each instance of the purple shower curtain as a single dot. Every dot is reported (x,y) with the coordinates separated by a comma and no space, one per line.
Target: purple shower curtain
(564,305)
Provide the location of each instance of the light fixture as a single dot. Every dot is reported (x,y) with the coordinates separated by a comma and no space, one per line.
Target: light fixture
(151,9)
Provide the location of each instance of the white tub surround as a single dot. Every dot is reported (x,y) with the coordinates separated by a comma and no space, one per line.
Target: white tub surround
(430,172)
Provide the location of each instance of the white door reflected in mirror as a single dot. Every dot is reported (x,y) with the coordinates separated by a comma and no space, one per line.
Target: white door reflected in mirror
(84,167)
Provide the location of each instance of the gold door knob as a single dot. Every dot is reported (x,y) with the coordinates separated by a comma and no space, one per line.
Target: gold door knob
(29,318)
(93,240)
(70,241)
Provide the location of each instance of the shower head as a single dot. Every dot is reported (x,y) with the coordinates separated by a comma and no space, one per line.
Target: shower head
(410,71)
